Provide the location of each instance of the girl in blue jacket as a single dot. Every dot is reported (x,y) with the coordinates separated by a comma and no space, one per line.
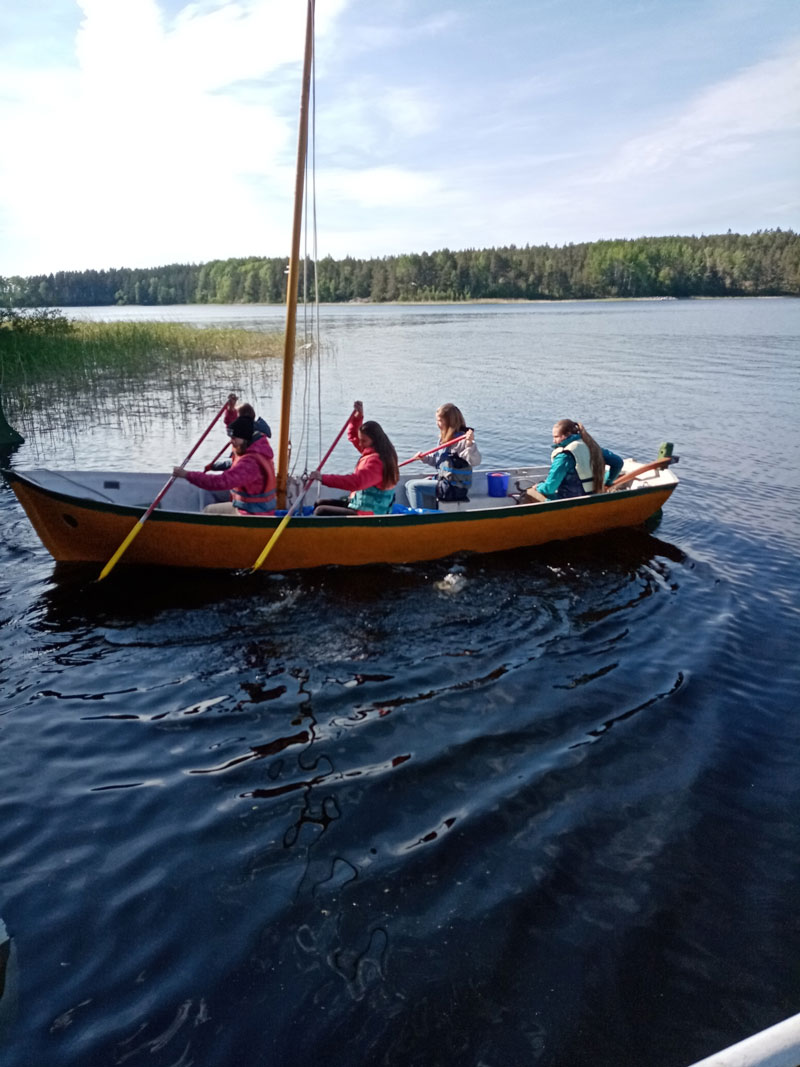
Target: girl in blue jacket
(453,464)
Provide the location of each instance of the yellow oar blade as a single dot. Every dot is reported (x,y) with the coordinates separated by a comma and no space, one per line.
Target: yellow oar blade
(269,545)
(115,558)
(109,567)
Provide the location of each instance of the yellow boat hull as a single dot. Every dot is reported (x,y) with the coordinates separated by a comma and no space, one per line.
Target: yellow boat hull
(80,530)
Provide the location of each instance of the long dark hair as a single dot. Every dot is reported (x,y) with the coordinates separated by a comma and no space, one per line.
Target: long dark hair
(569,427)
(385,449)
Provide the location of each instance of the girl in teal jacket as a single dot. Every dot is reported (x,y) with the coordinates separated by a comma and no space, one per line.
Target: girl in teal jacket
(577,464)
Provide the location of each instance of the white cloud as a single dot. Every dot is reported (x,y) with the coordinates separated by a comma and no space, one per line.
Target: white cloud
(163,134)
(144,151)
(381,187)
(394,34)
(366,120)
(723,122)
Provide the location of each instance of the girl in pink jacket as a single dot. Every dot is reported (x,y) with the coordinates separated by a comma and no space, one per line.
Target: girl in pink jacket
(371,485)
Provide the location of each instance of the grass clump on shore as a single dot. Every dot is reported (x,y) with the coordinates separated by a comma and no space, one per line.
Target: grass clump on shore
(46,347)
(60,374)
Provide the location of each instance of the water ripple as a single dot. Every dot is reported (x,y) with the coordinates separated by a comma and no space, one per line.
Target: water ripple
(442,813)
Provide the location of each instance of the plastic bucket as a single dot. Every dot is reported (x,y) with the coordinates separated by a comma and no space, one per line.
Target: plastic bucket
(497,483)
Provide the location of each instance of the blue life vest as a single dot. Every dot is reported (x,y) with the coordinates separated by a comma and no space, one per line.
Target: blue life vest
(455,475)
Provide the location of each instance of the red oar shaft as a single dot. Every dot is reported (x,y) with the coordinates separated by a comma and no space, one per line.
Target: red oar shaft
(138,525)
(200,440)
(224,448)
(322,462)
(446,444)
(285,521)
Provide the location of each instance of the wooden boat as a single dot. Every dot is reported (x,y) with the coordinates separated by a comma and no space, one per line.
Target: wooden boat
(85,515)
(96,517)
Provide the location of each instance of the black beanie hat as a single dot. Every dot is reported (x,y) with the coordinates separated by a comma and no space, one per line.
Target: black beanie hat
(242,427)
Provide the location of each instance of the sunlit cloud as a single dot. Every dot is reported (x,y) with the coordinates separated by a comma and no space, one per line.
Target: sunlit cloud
(151,140)
(367,120)
(723,122)
(382,187)
(142,132)
(389,32)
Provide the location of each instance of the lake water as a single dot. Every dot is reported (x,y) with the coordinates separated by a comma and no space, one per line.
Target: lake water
(537,808)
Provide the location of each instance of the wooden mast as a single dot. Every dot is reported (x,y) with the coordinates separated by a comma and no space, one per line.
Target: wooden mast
(294,265)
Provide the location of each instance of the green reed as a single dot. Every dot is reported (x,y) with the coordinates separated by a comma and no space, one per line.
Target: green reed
(57,373)
(76,354)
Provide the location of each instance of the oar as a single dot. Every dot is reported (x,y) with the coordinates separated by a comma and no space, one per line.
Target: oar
(232,398)
(104,573)
(438,448)
(625,478)
(285,520)
(224,448)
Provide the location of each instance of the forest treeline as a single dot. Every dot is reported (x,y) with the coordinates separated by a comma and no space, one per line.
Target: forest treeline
(765,263)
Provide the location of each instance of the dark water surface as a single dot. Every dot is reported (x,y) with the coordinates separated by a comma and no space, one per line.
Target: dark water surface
(536,808)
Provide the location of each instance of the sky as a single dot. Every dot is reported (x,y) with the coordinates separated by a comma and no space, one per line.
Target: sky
(139,133)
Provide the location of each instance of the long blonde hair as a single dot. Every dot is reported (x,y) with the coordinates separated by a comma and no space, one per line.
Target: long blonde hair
(454,421)
(569,427)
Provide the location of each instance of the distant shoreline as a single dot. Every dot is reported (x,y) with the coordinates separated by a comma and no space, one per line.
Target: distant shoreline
(523,300)
(765,263)
(363,302)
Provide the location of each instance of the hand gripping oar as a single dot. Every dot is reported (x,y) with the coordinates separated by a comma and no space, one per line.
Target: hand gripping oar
(285,520)
(224,448)
(625,478)
(104,573)
(232,398)
(438,448)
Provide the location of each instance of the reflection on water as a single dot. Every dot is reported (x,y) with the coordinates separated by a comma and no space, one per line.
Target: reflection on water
(9,981)
(121,414)
(75,598)
(443,813)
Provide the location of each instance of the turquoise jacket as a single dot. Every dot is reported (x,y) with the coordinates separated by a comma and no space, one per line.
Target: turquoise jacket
(564,464)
